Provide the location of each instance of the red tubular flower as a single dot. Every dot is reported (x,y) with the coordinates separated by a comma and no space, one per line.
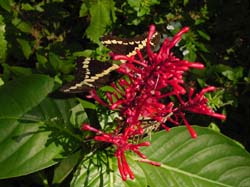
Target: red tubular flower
(198,104)
(121,142)
(145,94)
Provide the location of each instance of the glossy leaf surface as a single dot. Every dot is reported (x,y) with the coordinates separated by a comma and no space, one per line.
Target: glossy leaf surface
(210,160)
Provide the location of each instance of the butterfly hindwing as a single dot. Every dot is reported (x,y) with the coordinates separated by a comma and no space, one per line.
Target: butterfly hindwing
(91,73)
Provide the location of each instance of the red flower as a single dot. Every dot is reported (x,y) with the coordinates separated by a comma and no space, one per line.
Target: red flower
(145,94)
(121,141)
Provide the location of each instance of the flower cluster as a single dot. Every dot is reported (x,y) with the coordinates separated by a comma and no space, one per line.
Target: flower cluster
(144,94)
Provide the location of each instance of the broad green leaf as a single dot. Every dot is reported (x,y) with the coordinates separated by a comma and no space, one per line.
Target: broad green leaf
(24,149)
(209,160)
(97,170)
(3,42)
(102,15)
(20,142)
(19,96)
(38,139)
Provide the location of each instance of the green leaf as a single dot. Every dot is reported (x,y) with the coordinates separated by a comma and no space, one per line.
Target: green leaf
(87,104)
(233,74)
(83,10)
(78,115)
(22,25)
(22,147)
(58,64)
(102,15)
(35,141)
(204,35)
(97,170)
(19,96)
(1,81)
(3,42)
(54,60)
(6,4)
(65,167)
(20,71)
(55,114)
(185,2)
(142,7)
(25,46)
(209,160)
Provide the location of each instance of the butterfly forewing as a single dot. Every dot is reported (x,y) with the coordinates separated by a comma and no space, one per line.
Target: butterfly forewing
(128,46)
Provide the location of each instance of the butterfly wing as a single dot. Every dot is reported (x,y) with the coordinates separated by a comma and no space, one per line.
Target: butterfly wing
(128,46)
(91,73)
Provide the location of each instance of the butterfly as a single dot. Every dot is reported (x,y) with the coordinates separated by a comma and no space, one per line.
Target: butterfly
(91,73)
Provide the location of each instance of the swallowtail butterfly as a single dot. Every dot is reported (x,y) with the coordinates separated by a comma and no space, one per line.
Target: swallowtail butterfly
(91,73)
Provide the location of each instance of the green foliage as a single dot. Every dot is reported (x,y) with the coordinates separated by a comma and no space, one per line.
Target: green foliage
(6,4)
(3,42)
(102,15)
(214,160)
(142,7)
(40,128)
(23,147)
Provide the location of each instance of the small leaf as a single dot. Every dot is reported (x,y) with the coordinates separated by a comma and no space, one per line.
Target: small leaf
(27,7)
(20,71)
(1,81)
(3,42)
(102,15)
(234,74)
(25,46)
(60,65)
(87,104)
(78,115)
(83,10)
(204,35)
(6,4)
(22,25)
(142,7)
(185,2)
(65,167)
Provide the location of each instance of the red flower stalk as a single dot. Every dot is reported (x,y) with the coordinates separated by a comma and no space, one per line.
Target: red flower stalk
(145,93)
